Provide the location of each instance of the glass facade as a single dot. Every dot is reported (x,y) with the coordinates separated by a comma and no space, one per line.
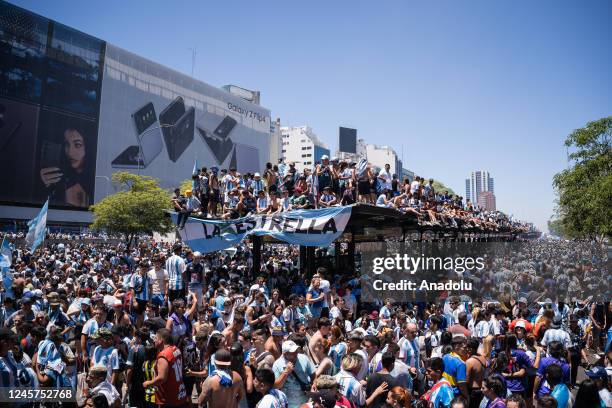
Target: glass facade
(50,83)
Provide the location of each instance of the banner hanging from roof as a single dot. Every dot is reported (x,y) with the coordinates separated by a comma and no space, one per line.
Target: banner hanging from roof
(300,227)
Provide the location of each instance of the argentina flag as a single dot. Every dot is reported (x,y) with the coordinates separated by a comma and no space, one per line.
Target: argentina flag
(38,227)
(361,166)
(195,171)
(5,267)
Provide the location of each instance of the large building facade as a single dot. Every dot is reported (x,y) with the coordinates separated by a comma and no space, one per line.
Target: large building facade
(486,201)
(378,156)
(302,146)
(478,182)
(77,109)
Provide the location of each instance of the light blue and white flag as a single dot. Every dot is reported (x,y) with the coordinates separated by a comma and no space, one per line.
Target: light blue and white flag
(195,171)
(6,259)
(300,227)
(38,227)
(361,166)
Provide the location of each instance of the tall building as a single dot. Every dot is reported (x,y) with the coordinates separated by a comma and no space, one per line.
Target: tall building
(275,140)
(378,156)
(361,152)
(478,182)
(302,146)
(407,173)
(486,200)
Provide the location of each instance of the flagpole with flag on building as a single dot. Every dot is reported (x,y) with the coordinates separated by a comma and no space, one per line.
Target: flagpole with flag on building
(37,228)
(195,171)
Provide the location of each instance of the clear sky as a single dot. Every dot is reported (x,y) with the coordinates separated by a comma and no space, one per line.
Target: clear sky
(461,85)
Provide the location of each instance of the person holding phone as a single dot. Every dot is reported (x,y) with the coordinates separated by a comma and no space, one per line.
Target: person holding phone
(68,184)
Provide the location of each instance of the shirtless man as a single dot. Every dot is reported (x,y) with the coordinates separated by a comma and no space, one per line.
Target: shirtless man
(213,183)
(323,325)
(474,372)
(270,177)
(275,341)
(224,389)
(231,332)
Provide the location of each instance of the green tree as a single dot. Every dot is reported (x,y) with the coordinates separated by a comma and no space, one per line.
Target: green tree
(138,208)
(555,227)
(185,185)
(440,187)
(585,188)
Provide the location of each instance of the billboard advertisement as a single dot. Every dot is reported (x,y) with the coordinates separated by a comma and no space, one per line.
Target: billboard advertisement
(347,140)
(156,122)
(50,80)
(74,110)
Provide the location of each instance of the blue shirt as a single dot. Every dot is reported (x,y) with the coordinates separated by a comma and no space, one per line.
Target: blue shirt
(561,394)
(337,352)
(140,284)
(304,369)
(108,357)
(544,364)
(454,370)
(520,360)
(315,293)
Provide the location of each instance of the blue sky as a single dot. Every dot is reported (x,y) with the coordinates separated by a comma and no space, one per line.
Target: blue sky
(492,85)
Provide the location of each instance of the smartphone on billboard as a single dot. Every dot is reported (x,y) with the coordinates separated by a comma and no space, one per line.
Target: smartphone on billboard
(50,154)
(220,148)
(182,134)
(225,127)
(177,127)
(148,135)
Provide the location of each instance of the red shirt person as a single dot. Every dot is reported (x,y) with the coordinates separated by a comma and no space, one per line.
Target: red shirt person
(170,388)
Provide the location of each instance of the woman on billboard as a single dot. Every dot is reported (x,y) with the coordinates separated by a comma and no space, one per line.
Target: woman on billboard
(64,170)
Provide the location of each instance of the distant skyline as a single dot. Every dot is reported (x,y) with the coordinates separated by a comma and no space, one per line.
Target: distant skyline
(456,86)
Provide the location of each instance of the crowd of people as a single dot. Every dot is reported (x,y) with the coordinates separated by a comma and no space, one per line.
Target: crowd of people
(160,325)
(330,182)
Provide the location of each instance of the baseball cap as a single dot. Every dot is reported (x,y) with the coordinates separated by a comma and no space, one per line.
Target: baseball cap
(520,323)
(53,298)
(102,332)
(289,346)
(596,372)
(254,287)
(325,157)
(523,300)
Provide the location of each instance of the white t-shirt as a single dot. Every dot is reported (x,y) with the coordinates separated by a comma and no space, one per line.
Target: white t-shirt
(324,287)
(386,183)
(108,390)
(158,280)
